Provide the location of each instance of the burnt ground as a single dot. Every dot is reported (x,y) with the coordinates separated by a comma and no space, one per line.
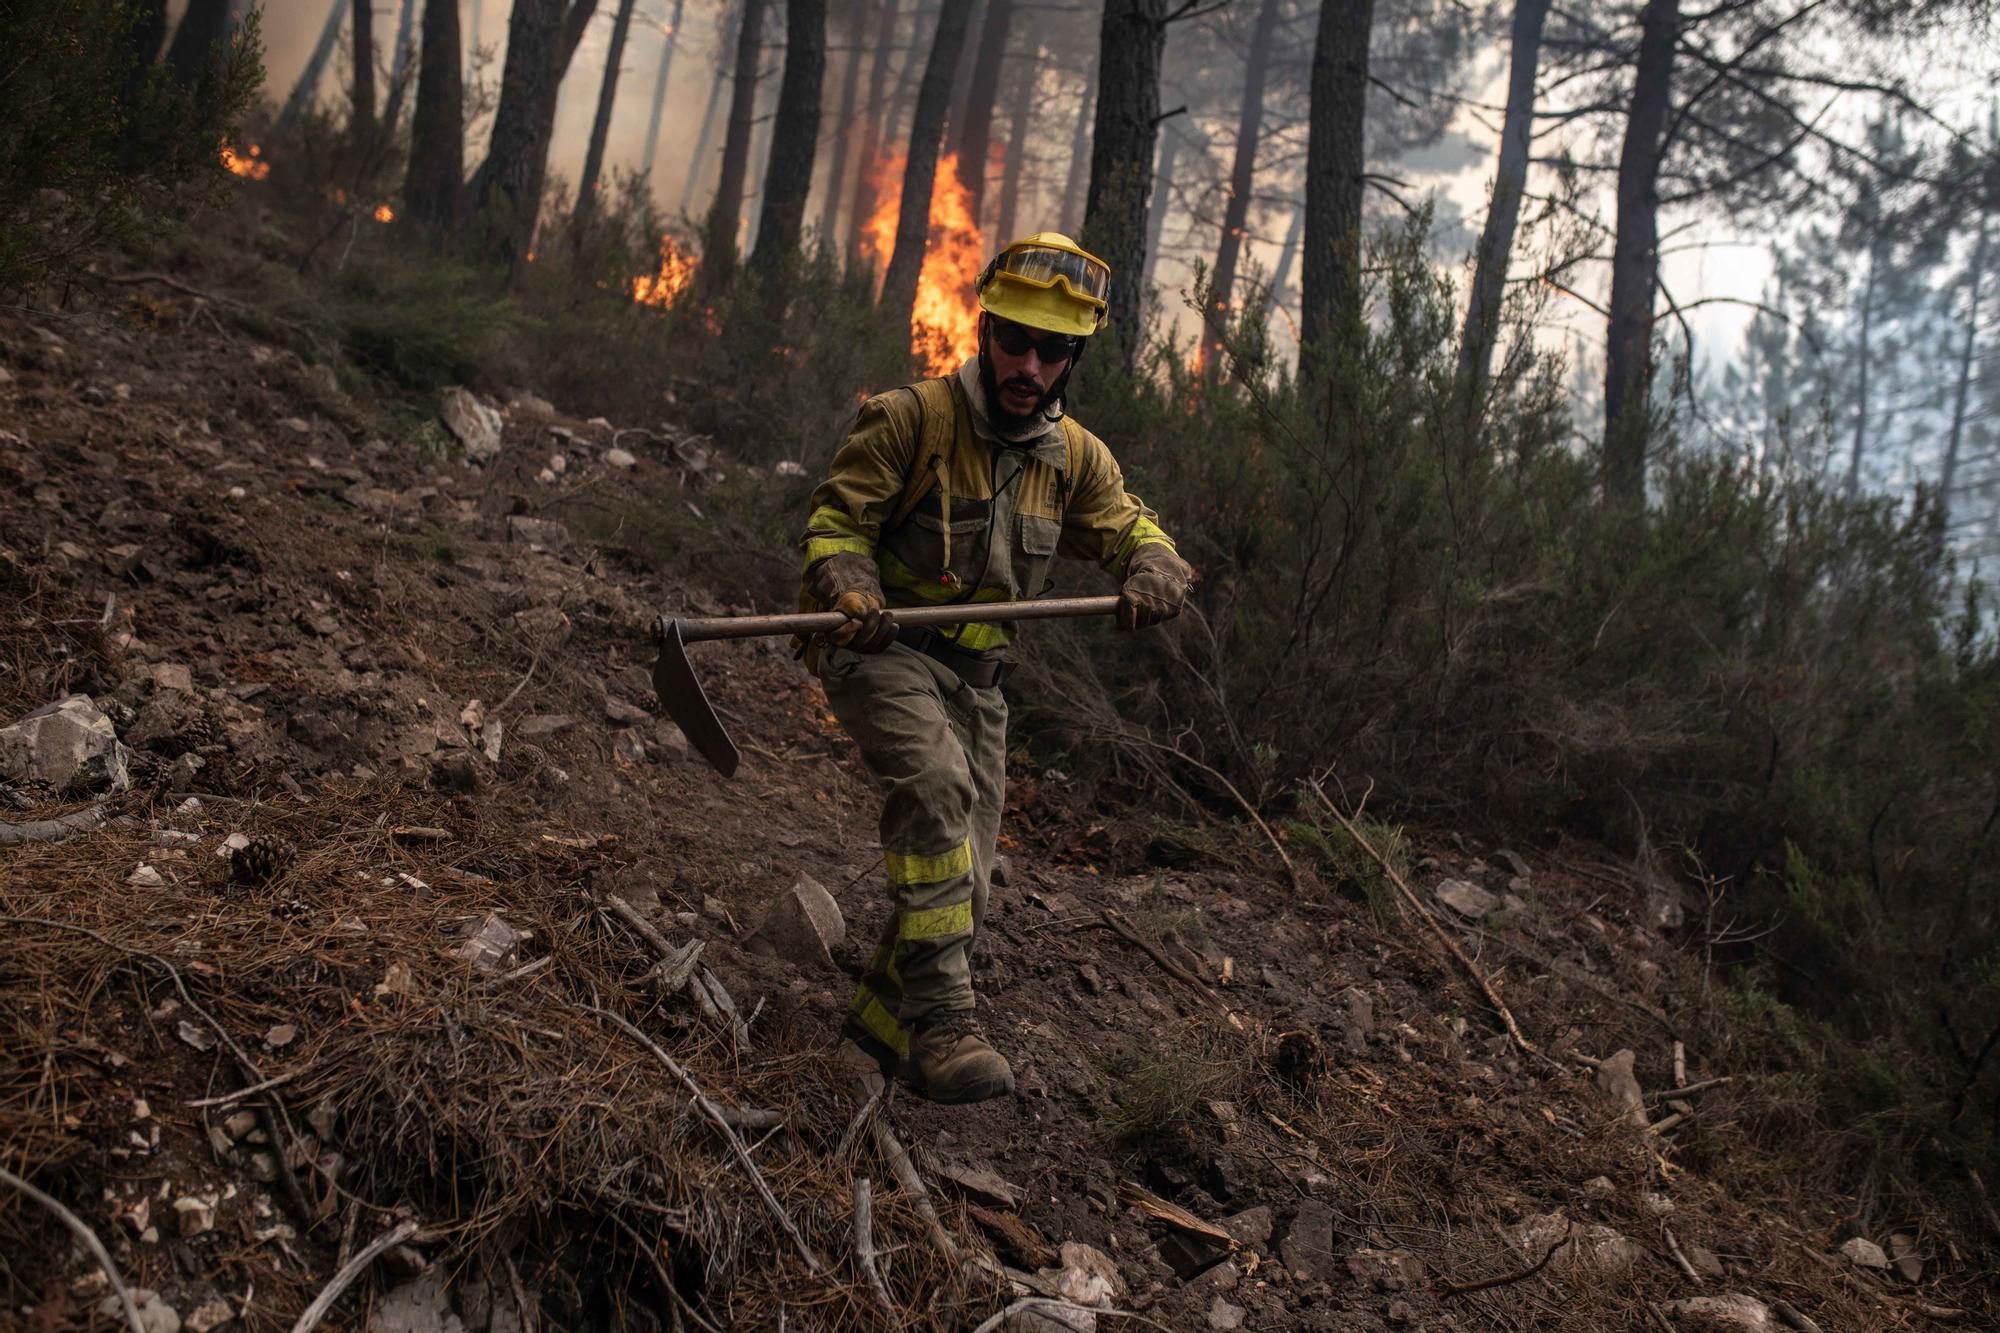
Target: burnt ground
(287,596)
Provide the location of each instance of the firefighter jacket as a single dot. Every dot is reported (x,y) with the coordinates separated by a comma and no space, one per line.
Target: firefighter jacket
(990,514)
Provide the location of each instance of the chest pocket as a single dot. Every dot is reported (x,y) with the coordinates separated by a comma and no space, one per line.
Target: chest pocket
(1035,544)
(922,542)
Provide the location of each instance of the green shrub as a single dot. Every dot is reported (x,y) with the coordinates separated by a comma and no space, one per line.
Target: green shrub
(97,147)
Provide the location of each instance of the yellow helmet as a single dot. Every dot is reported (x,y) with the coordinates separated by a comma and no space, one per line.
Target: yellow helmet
(1047,281)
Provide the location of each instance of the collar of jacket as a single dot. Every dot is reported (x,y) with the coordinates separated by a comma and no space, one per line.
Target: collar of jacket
(1041,436)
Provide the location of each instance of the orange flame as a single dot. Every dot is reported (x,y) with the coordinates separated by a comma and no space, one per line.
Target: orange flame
(944,325)
(384,213)
(251,166)
(663,288)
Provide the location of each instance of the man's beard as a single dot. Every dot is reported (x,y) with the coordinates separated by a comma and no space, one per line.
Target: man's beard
(1014,423)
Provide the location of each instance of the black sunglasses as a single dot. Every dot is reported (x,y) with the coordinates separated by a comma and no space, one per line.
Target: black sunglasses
(1015,340)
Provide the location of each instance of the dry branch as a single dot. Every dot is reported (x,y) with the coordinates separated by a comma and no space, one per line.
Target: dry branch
(864,1244)
(714,1113)
(60,829)
(1786,1311)
(90,1242)
(1173,1215)
(1031,1303)
(1692,1089)
(269,1108)
(1680,1259)
(906,1175)
(1464,1288)
(1115,921)
(352,1269)
(854,1127)
(1424,914)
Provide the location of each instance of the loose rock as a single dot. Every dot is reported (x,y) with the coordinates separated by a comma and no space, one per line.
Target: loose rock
(1467,899)
(1307,1248)
(155,1315)
(476,425)
(1616,1081)
(1865,1253)
(1722,1314)
(545,533)
(1385,1270)
(67,743)
(1223,1315)
(802,923)
(493,946)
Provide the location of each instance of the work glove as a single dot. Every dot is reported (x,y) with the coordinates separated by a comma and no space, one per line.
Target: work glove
(1156,586)
(850,584)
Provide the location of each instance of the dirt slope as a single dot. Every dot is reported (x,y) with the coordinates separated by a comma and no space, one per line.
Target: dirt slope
(288,600)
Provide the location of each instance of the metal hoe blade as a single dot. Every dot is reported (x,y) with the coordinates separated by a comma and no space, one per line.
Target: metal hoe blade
(687,703)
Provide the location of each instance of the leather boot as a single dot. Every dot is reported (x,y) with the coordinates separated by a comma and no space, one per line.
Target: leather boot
(951,1061)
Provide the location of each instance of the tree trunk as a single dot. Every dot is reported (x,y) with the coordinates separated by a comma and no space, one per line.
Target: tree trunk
(1079,157)
(660,94)
(913,221)
(794,139)
(962,73)
(361,119)
(1948,473)
(850,84)
(1635,261)
(1163,191)
(509,191)
(724,53)
(1026,76)
(600,126)
(204,29)
(975,134)
(871,132)
(575,23)
(894,123)
(1131,42)
(1242,179)
(149,30)
(437,133)
(307,88)
(753,170)
(1330,287)
(1863,364)
(1287,255)
(399,72)
(725,211)
(478,7)
(399,55)
(1503,214)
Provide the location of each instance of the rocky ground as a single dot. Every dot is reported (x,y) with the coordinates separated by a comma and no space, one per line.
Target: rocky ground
(366,934)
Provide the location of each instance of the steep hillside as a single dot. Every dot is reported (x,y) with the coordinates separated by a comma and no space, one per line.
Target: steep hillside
(377,962)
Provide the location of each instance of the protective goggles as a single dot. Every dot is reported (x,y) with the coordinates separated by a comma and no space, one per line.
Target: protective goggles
(1087,278)
(1015,340)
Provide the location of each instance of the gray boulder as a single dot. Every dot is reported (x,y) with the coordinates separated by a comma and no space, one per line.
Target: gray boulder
(69,741)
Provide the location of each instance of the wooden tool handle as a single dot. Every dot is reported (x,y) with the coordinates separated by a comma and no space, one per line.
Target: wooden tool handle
(962,613)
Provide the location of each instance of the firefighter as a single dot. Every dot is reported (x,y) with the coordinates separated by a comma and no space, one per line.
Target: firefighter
(962,489)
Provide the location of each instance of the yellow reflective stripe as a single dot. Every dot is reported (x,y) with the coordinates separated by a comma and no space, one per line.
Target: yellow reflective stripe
(881,1024)
(830,531)
(1143,530)
(935,923)
(905,870)
(972,638)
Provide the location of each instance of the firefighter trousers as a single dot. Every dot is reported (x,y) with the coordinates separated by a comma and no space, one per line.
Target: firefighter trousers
(937,749)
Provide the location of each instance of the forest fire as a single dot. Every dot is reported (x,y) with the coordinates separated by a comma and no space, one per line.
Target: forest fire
(663,288)
(944,324)
(384,213)
(250,166)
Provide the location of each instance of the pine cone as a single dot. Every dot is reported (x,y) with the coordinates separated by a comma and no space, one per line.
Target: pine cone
(260,861)
(198,730)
